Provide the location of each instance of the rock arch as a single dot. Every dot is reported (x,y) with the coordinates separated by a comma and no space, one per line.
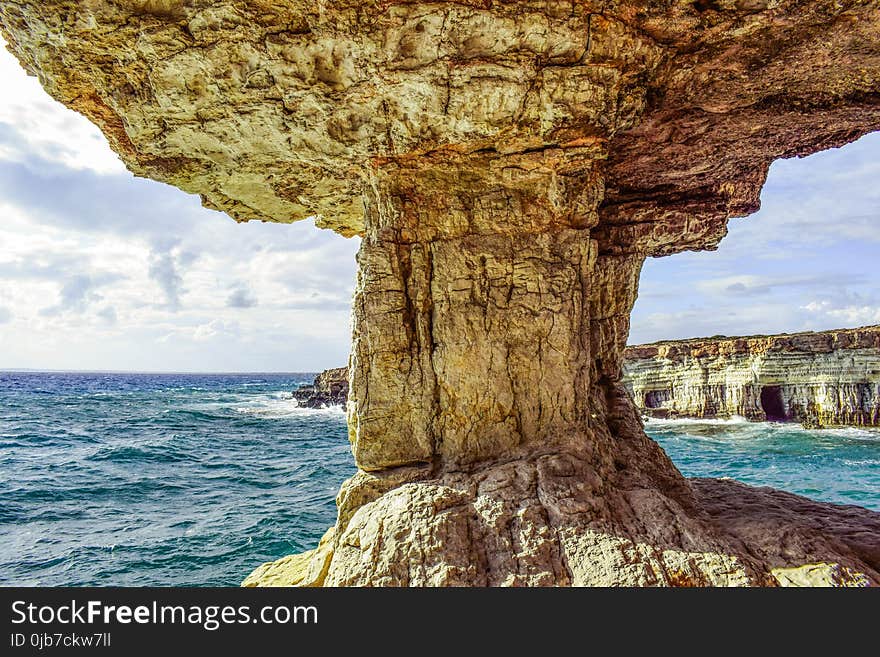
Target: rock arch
(509,165)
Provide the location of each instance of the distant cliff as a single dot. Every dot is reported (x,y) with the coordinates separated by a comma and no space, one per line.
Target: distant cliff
(330,388)
(822,379)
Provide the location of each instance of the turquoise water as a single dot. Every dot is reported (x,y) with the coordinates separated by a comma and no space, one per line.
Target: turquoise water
(121,479)
(140,479)
(833,465)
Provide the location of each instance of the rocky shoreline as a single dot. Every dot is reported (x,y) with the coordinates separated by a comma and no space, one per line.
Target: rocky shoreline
(330,388)
(819,379)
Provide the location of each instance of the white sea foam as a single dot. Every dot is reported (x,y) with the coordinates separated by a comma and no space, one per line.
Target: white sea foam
(740,426)
(273,406)
(860,462)
(854,432)
(735,419)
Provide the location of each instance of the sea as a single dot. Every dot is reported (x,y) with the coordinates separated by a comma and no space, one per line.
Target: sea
(111,479)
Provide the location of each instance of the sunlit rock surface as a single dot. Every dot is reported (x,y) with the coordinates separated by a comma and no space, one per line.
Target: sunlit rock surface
(509,166)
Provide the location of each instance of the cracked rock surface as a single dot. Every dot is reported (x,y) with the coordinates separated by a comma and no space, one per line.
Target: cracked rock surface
(509,166)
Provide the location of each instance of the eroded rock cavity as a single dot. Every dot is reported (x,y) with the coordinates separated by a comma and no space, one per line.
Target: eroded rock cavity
(509,166)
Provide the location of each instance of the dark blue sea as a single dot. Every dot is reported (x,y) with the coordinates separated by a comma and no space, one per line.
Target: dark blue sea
(190,479)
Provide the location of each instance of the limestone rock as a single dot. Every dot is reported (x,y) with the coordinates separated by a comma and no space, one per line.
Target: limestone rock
(304,569)
(824,379)
(279,110)
(509,166)
(330,388)
(798,539)
(819,574)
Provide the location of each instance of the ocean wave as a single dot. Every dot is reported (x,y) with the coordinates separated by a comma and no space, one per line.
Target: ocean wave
(133,489)
(274,407)
(281,404)
(159,453)
(277,404)
(858,433)
(738,422)
(684,421)
(861,462)
(200,412)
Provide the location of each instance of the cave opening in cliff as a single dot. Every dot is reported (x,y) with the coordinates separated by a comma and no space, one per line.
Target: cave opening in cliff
(772,404)
(655,398)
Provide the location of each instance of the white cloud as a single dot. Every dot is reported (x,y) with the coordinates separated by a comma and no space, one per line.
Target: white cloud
(79,292)
(847,315)
(741,285)
(108,314)
(101,270)
(165,270)
(241,297)
(215,328)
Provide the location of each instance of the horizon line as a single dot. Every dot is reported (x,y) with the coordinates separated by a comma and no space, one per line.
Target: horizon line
(39,370)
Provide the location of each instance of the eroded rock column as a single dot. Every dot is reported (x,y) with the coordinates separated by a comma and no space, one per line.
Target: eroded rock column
(495,440)
(496,443)
(472,312)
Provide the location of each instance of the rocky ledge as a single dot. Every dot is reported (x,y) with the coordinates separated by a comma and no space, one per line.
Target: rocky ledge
(822,379)
(330,388)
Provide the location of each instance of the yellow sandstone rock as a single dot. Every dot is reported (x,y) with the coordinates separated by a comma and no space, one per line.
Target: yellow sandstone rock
(306,569)
(819,574)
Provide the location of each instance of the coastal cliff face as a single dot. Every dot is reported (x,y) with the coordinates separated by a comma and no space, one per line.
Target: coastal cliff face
(825,379)
(509,167)
(330,388)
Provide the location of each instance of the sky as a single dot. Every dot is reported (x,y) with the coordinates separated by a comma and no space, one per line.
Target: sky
(100,270)
(807,260)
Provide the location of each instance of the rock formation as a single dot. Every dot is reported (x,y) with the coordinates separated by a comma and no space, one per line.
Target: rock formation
(330,388)
(825,379)
(509,166)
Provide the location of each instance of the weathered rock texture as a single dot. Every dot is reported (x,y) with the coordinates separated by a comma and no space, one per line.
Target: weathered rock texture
(825,379)
(509,166)
(330,388)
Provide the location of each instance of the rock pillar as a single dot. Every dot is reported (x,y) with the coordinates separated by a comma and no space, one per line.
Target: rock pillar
(495,440)
(472,312)
(496,443)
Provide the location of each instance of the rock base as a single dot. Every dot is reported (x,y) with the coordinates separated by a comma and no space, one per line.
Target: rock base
(555,519)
